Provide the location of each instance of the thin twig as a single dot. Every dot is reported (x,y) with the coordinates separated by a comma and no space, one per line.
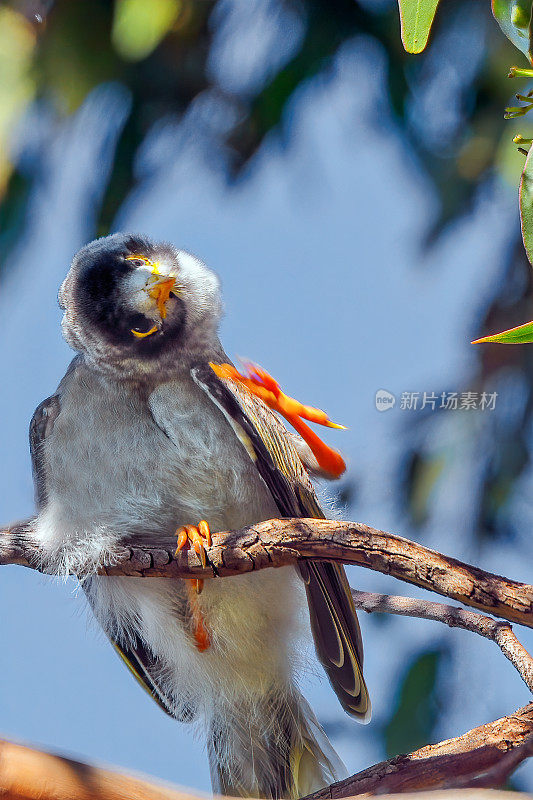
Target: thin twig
(454,617)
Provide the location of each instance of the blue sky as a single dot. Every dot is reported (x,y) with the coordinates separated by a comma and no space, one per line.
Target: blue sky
(325,286)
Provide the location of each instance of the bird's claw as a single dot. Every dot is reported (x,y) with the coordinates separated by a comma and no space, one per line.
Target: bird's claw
(199,536)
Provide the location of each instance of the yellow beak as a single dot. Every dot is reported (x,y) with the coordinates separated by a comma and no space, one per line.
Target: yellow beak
(160,291)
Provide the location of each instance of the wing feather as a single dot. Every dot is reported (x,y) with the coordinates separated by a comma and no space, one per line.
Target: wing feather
(41,425)
(332,614)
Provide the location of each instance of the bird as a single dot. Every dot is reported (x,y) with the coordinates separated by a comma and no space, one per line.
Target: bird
(153,433)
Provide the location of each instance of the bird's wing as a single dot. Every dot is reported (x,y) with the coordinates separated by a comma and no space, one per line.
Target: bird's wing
(138,661)
(41,426)
(144,666)
(333,618)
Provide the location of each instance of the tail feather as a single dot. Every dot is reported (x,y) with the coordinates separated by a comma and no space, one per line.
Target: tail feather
(336,633)
(318,765)
(276,749)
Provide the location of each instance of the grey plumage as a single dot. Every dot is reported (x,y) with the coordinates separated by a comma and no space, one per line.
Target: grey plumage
(141,438)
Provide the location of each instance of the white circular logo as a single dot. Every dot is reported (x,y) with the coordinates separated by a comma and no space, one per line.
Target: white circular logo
(384,400)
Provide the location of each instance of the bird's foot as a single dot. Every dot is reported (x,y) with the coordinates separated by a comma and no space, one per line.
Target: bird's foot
(260,383)
(199,536)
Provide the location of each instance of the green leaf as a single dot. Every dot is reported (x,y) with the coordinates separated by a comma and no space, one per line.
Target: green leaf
(526,205)
(416,18)
(520,335)
(416,713)
(514,18)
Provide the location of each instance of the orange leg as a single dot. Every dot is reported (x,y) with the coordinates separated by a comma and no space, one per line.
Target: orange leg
(199,537)
(200,632)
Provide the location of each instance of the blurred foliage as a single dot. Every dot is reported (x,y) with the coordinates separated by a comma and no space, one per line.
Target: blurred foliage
(503,439)
(420,477)
(498,442)
(58,50)
(417,708)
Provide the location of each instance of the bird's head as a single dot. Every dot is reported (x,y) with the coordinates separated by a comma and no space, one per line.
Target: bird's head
(131,304)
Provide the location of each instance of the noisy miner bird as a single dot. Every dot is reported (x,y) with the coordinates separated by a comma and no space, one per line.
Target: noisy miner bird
(151,431)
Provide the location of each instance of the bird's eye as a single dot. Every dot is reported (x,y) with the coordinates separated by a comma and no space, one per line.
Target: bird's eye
(136,262)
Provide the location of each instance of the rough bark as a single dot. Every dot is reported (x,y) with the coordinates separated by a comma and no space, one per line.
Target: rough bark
(440,765)
(276,543)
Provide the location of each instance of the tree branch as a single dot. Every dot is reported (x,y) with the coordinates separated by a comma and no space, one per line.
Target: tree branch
(499,632)
(491,750)
(27,774)
(479,755)
(276,543)
(498,774)
(477,752)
